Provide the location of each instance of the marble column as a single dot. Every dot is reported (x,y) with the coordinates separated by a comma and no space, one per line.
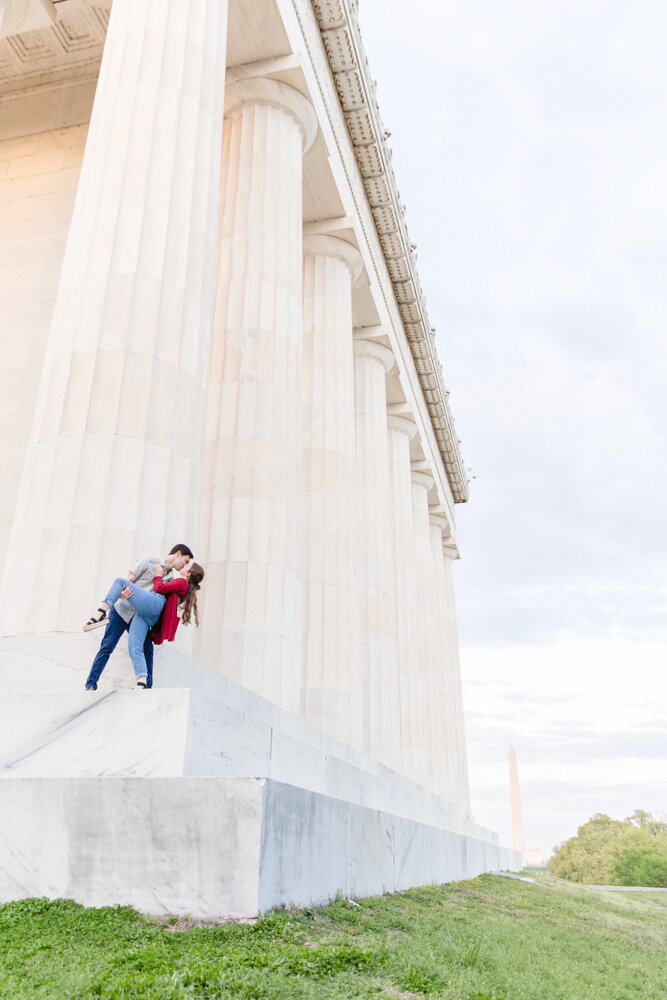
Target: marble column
(331,683)
(113,469)
(442,700)
(460,762)
(377,587)
(427,622)
(401,429)
(251,623)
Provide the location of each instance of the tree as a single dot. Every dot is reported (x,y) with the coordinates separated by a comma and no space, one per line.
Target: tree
(646,821)
(589,857)
(606,850)
(642,867)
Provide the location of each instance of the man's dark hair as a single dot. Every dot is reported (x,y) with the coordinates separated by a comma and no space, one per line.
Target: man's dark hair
(185,550)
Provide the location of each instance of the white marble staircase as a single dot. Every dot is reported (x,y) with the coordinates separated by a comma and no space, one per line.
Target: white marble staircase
(201,797)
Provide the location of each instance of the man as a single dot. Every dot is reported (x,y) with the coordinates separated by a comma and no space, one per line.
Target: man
(118,617)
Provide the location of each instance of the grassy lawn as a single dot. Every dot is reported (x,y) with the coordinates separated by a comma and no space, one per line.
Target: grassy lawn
(486,939)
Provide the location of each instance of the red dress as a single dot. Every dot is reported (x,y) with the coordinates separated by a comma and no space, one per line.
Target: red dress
(166,625)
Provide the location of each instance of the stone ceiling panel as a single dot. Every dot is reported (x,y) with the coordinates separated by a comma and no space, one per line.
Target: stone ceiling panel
(76,38)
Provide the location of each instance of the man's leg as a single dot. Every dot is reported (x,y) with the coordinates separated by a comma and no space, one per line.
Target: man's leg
(112,634)
(148,653)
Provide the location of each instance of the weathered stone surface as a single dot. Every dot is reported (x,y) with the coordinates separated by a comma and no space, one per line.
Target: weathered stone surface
(214,847)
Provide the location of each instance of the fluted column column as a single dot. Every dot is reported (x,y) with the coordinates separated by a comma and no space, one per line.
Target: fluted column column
(252,601)
(114,463)
(444,716)
(331,683)
(401,429)
(422,482)
(377,590)
(460,761)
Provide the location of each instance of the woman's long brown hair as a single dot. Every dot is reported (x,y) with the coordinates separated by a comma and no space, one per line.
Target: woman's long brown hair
(189,602)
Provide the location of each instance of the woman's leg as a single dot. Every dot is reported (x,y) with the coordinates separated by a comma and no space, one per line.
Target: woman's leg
(135,643)
(112,596)
(148,608)
(147,604)
(113,593)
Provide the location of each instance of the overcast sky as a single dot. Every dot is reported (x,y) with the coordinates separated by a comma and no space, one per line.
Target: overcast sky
(530,146)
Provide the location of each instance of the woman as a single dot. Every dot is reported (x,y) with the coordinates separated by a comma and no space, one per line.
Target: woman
(157,611)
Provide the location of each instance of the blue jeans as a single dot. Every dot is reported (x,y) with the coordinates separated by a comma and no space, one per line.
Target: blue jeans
(112,633)
(148,608)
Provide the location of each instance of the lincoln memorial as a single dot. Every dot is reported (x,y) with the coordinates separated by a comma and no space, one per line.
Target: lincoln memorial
(213,331)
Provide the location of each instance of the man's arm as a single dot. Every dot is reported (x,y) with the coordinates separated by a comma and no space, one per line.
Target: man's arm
(139,567)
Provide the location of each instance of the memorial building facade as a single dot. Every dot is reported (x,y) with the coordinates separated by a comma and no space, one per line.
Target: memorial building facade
(214,332)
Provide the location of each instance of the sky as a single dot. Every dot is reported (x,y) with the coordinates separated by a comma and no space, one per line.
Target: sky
(529,144)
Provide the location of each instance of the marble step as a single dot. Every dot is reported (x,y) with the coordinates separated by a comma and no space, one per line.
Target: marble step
(195,722)
(215,847)
(94,734)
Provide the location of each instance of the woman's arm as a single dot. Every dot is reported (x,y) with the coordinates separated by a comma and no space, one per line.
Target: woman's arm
(175,586)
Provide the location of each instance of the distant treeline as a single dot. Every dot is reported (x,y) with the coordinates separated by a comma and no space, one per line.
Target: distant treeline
(610,851)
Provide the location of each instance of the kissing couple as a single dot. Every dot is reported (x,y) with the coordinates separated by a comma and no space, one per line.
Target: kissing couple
(146,604)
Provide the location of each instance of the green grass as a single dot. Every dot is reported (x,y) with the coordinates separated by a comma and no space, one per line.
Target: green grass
(487,939)
(657,897)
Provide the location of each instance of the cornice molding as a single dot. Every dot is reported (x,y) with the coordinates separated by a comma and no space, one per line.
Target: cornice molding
(339,29)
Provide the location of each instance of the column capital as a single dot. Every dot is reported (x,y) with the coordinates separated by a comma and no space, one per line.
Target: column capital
(402,410)
(439,516)
(400,417)
(450,549)
(332,246)
(397,422)
(422,474)
(371,332)
(371,349)
(260,90)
